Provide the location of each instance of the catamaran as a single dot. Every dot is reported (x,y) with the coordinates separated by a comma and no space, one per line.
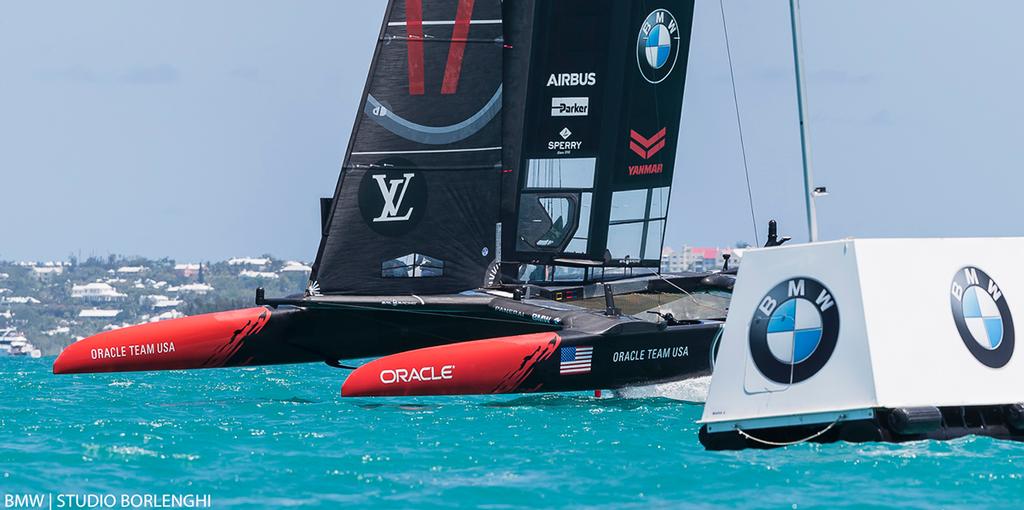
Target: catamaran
(499,219)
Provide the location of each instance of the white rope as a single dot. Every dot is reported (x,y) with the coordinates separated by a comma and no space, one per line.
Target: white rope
(791,443)
(739,122)
(691,296)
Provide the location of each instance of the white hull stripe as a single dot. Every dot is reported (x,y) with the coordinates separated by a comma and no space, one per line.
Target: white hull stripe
(452,22)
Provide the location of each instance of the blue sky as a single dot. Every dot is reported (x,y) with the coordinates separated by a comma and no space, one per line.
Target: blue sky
(201,130)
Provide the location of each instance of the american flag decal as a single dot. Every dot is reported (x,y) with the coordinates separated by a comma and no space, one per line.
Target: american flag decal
(575,360)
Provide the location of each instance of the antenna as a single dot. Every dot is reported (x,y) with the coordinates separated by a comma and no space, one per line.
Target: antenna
(773,236)
(609,302)
(810,193)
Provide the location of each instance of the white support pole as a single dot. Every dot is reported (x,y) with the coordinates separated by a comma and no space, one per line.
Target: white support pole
(805,144)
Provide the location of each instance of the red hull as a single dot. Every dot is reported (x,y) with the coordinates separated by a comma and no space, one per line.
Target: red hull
(203,341)
(496,365)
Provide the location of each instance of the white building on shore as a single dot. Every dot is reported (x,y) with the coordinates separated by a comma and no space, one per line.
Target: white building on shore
(192,288)
(266,275)
(691,258)
(20,300)
(187,269)
(96,291)
(97,313)
(295,267)
(249,261)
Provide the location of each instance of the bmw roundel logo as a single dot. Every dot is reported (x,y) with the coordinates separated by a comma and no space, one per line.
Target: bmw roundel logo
(657,46)
(982,316)
(794,330)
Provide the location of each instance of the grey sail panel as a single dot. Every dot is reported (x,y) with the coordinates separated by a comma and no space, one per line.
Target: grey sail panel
(416,204)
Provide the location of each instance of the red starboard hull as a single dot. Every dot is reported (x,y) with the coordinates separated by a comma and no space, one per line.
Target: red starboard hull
(496,365)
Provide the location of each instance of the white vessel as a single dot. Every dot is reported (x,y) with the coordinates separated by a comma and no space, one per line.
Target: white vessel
(13,343)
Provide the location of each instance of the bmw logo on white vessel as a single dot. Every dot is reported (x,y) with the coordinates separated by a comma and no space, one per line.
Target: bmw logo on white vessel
(657,46)
(794,330)
(982,317)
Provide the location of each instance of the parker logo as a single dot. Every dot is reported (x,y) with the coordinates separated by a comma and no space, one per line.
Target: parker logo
(570,106)
(423,374)
(392,202)
(572,80)
(647,148)
(982,317)
(794,330)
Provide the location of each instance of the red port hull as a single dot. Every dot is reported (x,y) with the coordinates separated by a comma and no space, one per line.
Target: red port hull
(203,341)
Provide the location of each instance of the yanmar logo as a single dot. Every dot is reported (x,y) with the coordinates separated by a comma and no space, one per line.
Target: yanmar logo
(647,148)
(407,375)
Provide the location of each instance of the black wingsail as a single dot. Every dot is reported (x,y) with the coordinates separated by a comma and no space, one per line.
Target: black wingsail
(416,205)
(594,93)
(551,125)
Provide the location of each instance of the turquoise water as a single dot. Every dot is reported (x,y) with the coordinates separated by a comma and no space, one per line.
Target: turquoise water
(282,437)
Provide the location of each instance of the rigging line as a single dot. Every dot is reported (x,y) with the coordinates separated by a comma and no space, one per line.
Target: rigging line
(692,297)
(739,124)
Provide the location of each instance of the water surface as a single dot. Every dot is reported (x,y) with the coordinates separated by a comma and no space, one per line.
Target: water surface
(283,437)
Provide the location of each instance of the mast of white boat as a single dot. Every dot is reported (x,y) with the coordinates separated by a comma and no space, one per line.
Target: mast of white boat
(810,191)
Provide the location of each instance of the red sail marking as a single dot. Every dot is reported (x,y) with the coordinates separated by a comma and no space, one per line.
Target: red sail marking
(414,28)
(479,367)
(192,342)
(644,147)
(637,149)
(656,149)
(460,34)
(648,142)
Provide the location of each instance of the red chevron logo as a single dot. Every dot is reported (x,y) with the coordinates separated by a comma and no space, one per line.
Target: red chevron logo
(647,147)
